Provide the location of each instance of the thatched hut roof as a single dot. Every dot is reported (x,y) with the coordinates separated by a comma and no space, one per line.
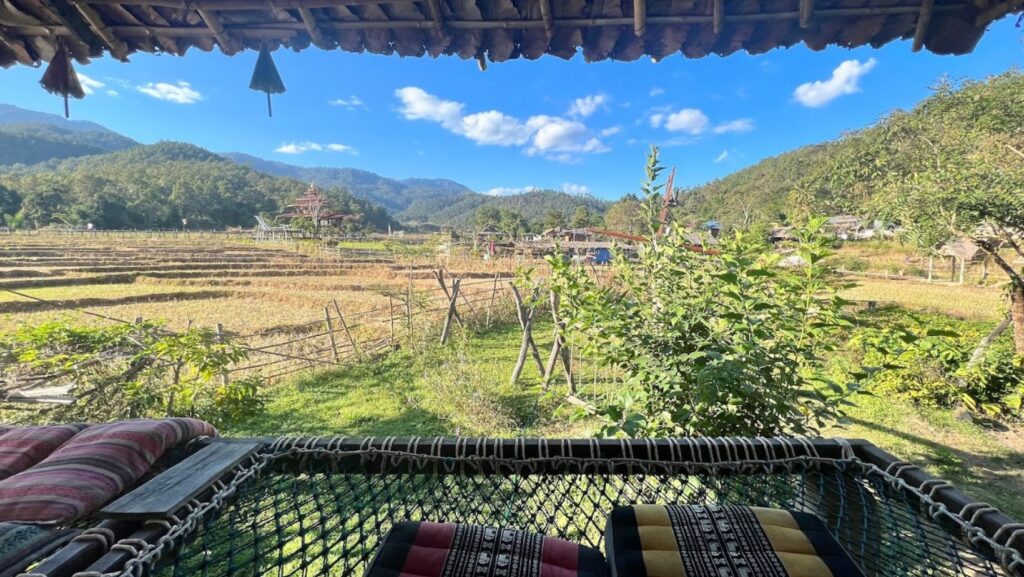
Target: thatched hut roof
(495,30)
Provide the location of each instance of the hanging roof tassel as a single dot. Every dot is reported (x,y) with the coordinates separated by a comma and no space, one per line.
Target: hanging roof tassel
(265,77)
(60,77)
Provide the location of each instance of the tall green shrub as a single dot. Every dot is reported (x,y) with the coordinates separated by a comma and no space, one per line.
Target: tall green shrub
(718,342)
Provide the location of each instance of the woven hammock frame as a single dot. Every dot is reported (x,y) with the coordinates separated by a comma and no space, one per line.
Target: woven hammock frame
(320,506)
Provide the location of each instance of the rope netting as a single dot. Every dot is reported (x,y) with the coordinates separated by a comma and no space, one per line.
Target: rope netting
(313,509)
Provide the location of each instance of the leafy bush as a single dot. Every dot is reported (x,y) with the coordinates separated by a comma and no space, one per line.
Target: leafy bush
(722,342)
(926,359)
(130,370)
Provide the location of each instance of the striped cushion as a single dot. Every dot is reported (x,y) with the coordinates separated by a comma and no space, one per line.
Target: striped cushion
(90,469)
(22,447)
(446,550)
(722,541)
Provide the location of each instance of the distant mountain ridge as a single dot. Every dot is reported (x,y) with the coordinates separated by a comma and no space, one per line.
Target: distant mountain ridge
(30,137)
(393,194)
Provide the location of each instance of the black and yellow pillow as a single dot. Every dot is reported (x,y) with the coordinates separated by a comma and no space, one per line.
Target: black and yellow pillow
(722,541)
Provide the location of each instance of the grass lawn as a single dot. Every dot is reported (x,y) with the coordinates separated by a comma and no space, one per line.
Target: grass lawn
(464,389)
(965,302)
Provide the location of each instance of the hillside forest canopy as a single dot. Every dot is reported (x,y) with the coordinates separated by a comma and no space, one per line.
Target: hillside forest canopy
(155,187)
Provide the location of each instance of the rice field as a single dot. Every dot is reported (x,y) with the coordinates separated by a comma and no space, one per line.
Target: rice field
(184,281)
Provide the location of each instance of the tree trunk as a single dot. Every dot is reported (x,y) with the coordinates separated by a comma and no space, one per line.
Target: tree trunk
(1017,314)
(979,352)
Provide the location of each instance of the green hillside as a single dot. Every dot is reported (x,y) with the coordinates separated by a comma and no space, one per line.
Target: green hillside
(156,186)
(30,143)
(533,206)
(849,174)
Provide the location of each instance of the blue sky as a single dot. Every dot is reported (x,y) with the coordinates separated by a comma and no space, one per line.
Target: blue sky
(547,123)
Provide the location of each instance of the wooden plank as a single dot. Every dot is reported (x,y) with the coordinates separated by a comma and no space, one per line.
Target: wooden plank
(717,17)
(311,26)
(545,14)
(639,17)
(806,13)
(172,489)
(924,18)
(77,555)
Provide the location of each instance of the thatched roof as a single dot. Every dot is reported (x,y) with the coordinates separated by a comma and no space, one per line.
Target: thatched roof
(494,30)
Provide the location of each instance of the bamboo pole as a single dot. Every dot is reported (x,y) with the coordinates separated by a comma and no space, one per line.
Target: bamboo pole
(330,334)
(439,275)
(524,347)
(445,331)
(391,317)
(344,325)
(526,313)
(490,305)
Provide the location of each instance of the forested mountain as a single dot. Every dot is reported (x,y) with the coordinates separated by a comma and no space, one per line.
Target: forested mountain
(394,195)
(534,207)
(156,186)
(843,176)
(29,137)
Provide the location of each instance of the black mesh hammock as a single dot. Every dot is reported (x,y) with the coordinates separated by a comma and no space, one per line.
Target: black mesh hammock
(311,507)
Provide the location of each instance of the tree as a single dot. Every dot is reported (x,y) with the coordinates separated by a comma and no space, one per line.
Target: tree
(712,343)
(554,219)
(627,215)
(582,217)
(512,223)
(487,217)
(952,168)
(10,201)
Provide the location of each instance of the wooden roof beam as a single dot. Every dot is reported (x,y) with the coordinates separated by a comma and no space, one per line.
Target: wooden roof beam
(806,13)
(15,47)
(77,28)
(717,16)
(118,49)
(639,17)
(213,22)
(546,16)
(437,17)
(309,21)
(924,18)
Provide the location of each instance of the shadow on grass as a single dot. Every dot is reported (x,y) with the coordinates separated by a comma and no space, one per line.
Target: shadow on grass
(995,478)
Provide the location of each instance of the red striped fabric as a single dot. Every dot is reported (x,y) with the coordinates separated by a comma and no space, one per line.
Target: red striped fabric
(22,447)
(93,467)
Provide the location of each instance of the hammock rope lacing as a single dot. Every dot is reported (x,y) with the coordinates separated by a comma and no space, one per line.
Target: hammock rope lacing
(726,456)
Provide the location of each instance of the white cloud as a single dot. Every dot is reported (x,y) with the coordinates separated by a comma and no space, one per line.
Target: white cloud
(509,191)
(89,85)
(553,137)
(656,91)
(738,125)
(611,131)
(560,139)
(179,93)
(350,103)
(113,93)
(723,156)
(845,80)
(300,147)
(418,104)
(576,189)
(584,107)
(688,120)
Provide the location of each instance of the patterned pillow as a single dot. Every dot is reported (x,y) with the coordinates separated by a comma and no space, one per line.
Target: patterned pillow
(447,550)
(22,447)
(90,469)
(722,541)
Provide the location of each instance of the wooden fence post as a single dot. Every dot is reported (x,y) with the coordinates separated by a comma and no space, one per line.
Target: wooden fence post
(391,318)
(439,275)
(344,325)
(558,349)
(220,339)
(525,315)
(524,348)
(408,308)
(452,313)
(330,333)
(490,304)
